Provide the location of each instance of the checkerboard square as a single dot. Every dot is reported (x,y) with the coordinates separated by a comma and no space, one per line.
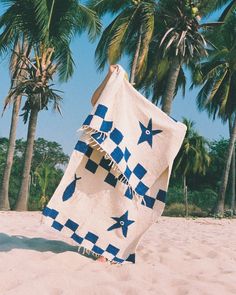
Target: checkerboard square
(106,126)
(131,258)
(101,111)
(104,163)
(128,193)
(71,225)
(91,166)
(111,179)
(77,238)
(117,154)
(89,151)
(46,211)
(57,225)
(88,120)
(149,201)
(127,172)
(97,249)
(112,249)
(126,154)
(81,146)
(141,188)
(52,213)
(161,196)
(119,260)
(91,237)
(139,171)
(116,136)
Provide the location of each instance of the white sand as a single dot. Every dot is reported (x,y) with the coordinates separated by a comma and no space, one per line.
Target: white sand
(176,256)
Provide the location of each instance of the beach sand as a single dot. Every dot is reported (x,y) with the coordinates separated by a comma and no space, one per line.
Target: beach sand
(176,256)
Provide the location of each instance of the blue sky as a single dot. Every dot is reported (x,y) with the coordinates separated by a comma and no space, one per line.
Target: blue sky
(76,102)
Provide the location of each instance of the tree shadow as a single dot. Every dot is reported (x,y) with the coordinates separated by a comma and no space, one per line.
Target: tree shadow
(7,243)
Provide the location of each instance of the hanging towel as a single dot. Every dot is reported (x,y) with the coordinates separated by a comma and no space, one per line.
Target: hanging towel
(114,186)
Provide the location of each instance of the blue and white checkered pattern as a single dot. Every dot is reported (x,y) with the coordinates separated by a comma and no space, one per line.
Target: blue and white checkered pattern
(102,163)
(111,179)
(119,153)
(99,118)
(89,240)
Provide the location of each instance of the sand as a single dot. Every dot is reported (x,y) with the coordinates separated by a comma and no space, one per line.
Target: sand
(176,256)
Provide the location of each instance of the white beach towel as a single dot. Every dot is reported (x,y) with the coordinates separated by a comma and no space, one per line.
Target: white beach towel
(114,187)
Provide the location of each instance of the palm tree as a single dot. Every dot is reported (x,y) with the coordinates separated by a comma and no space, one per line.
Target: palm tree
(192,158)
(217,95)
(129,33)
(48,27)
(16,69)
(233,174)
(153,82)
(178,40)
(35,86)
(229,6)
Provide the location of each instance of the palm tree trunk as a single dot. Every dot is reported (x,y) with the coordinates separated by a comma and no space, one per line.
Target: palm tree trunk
(233,176)
(185,195)
(168,94)
(4,192)
(225,175)
(232,171)
(136,56)
(22,201)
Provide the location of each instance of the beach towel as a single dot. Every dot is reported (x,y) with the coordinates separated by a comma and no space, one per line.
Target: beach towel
(115,184)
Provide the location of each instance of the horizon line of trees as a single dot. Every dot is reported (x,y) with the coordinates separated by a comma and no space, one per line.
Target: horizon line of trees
(197,198)
(162,39)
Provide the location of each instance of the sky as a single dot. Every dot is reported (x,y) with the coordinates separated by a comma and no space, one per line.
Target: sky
(76,104)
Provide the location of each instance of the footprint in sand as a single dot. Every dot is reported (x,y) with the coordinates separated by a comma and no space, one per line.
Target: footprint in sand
(212,254)
(192,255)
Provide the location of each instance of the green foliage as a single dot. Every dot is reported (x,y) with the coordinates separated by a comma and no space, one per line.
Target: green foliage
(51,22)
(204,198)
(47,169)
(133,19)
(35,83)
(177,34)
(217,75)
(193,156)
(178,210)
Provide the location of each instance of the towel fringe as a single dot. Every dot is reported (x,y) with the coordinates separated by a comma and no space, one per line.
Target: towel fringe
(87,251)
(92,141)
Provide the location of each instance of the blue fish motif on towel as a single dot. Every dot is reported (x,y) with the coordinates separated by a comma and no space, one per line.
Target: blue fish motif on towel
(70,189)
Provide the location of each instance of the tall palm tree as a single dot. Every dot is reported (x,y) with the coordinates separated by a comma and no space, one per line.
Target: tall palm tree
(129,33)
(178,40)
(153,82)
(217,95)
(16,69)
(193,157)
(36,86)
(233,174)
(49,27)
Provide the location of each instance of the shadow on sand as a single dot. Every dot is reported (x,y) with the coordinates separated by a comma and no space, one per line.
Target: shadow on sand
(7,243)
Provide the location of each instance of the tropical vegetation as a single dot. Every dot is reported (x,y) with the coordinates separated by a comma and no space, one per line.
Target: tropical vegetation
(169,44)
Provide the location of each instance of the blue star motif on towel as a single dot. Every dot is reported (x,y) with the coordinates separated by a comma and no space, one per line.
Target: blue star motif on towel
(122,222)
(147,133)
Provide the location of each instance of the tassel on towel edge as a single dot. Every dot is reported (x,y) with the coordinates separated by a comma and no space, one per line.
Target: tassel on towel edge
(90,131)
